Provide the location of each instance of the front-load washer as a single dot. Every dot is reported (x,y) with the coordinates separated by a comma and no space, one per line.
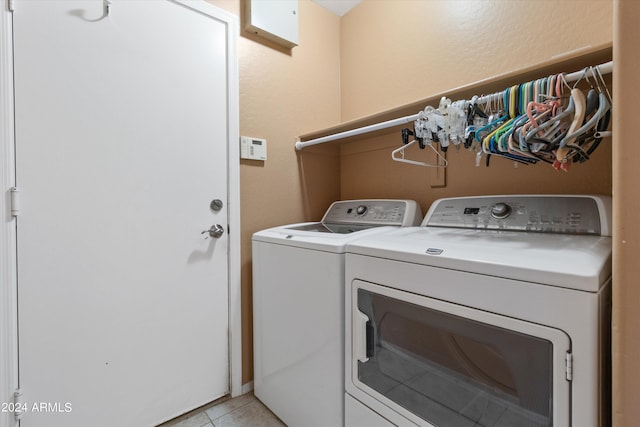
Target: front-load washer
(495,312)
(298,308)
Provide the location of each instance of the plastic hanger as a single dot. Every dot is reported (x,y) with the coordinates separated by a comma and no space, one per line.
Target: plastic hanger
(591,123)
(580,102)
(554,102)
(596,100)
(587,138)
(402,159)
(566,113)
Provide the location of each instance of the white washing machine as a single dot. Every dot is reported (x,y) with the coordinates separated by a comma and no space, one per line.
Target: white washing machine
(298,308)
(495,312)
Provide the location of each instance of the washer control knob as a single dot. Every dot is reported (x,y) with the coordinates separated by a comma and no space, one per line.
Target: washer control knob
(361,210)
(500,210)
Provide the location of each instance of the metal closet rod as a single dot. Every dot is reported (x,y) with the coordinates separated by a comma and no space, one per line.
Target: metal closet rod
(606,68)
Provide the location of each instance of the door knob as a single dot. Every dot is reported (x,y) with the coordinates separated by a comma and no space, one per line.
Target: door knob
(216,231)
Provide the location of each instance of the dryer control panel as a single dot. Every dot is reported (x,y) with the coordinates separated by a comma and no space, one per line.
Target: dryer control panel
(533,213)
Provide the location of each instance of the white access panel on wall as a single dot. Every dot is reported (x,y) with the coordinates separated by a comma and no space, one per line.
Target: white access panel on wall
(276,20)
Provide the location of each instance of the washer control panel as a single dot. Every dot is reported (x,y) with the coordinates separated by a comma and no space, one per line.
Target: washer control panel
(543,214)
(373,212)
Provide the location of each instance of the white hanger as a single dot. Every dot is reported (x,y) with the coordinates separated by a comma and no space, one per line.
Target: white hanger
(414,162)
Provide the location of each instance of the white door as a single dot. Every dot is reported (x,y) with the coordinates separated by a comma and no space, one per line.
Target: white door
(121,139)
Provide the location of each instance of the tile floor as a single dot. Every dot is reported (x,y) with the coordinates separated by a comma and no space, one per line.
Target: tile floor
(241,411)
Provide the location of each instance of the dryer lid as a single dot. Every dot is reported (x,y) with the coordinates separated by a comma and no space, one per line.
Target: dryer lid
(579,262)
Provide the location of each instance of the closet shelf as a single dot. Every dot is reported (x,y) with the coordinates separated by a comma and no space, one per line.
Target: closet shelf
(569,62)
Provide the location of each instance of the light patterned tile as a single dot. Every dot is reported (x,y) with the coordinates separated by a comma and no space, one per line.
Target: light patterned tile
(198,419)
(253,414)
(230,405)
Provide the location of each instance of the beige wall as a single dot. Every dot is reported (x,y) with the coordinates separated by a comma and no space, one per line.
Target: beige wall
(396,52)
(626,230)
(284,93)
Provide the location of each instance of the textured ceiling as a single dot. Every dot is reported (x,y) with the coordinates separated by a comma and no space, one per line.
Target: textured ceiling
(339,7)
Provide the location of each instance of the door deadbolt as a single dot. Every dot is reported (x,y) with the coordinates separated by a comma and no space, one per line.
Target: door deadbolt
(216,204)
(216,231)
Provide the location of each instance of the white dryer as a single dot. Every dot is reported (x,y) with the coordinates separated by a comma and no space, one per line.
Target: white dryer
(495,312)
(298,308)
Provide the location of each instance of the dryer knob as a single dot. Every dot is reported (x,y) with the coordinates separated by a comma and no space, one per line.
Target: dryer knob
(500,210)
(361,210)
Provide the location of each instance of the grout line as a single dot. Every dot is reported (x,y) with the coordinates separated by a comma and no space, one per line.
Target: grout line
(249,401)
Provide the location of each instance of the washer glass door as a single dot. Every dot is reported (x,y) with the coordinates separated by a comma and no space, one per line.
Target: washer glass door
(447,365)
